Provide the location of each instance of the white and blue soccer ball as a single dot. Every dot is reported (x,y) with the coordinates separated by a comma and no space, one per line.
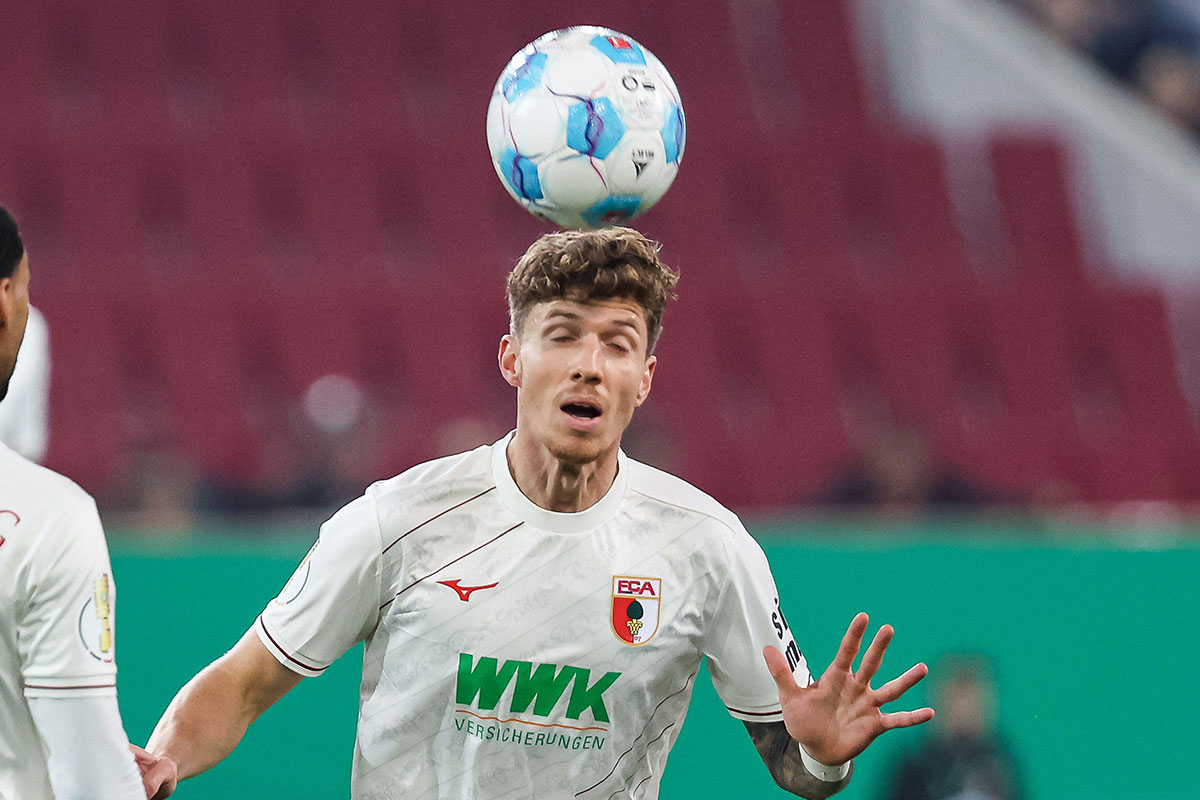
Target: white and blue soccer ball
(585,127)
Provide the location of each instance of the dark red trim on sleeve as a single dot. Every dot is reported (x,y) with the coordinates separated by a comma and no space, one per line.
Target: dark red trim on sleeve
(80,686)
(287,655)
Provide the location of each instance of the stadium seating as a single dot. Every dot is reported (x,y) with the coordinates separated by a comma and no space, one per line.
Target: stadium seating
(227,201)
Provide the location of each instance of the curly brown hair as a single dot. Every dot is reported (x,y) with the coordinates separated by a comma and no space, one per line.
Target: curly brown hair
(592,265)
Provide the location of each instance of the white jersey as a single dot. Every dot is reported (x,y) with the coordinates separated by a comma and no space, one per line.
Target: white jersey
(25,412)
(513,651)
(57,598)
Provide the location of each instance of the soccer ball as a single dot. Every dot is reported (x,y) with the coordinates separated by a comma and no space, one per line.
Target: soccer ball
(585,127)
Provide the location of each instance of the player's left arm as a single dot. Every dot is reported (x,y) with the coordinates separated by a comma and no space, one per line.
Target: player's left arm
(780,752)
(65,637)
(833,719)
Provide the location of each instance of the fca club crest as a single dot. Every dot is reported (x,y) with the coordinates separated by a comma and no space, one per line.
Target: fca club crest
(635,605)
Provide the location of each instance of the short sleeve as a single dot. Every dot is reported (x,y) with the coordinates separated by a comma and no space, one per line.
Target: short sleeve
(747,618)
(66,628)
(331,602)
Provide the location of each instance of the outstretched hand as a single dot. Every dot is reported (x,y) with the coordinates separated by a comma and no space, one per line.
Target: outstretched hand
(836,717)
(159,774)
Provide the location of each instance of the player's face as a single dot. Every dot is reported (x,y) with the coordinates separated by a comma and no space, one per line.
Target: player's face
(580,368)
(14,313)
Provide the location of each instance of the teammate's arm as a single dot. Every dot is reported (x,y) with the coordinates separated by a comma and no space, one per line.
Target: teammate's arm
(65,636)
(781,754)
(86,748)
(209,716)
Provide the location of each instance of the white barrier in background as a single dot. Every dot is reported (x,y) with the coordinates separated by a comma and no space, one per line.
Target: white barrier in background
(967,67)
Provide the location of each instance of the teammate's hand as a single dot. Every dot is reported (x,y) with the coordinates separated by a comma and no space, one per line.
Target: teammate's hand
(836,717)
(159,774)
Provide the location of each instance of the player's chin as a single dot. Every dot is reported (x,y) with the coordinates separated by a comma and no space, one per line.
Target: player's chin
(578,447)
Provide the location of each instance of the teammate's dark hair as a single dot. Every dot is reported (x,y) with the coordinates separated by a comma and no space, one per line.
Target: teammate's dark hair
(11,247)
(592,265)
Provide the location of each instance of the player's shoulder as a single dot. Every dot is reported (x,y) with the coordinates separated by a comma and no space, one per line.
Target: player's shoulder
(39,486)
(436,481)
(662,488)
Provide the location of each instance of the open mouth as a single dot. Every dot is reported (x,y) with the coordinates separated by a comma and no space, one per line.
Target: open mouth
(581,410)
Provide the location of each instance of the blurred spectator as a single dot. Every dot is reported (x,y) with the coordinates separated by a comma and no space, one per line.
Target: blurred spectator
(1170,78)
(25,412)
(895,471)
(1153,45)
(963,756)
(158,490)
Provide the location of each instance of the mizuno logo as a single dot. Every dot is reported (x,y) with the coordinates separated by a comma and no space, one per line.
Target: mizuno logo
(464,592)
(15,523)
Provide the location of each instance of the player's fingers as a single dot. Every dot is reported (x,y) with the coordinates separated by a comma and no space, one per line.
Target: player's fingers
(897,686)
(779,668)
(851,642)
(906,719)
(874,655)
(160,779)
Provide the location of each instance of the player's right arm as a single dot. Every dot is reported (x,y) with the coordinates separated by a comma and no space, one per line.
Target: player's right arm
(331,602)
(211,713)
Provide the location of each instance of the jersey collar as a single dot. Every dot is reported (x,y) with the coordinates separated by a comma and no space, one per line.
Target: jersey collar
(556,521)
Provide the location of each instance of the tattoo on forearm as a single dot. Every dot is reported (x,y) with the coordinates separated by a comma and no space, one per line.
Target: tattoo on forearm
(781,754)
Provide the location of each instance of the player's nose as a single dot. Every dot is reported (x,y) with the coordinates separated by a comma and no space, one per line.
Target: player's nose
(588,364)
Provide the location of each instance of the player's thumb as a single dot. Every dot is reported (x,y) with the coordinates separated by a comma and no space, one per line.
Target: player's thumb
(160,779)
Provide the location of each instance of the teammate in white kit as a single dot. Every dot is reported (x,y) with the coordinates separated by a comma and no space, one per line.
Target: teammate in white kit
(535,611)
(61,730)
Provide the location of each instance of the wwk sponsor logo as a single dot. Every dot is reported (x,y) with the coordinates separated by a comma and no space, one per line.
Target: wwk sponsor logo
(483,683)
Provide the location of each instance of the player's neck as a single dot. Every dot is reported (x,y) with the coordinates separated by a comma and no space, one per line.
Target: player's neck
(557,485)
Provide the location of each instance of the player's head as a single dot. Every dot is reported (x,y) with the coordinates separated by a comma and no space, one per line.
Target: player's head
(592,265)
(585,311)
(14,296)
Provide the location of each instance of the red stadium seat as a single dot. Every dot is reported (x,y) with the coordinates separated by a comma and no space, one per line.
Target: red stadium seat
(294,187)
(1034,192)
(87,424)
(928,241)
(746,396)
(33,184)
(25,55)
(822,53)
(198,338)
(431,349)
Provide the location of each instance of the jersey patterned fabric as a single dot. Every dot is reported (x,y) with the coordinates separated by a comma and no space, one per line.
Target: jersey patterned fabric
(57,601)
(513,650)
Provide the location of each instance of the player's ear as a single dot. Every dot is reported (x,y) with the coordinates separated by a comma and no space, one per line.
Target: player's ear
(509,359)
(8,300)
(647,379)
